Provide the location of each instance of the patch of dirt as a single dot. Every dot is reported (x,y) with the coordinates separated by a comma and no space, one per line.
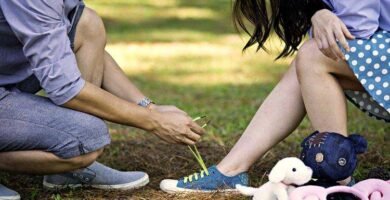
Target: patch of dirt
(161,160)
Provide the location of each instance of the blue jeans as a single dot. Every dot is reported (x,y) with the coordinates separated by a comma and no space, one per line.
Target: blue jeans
(31,122)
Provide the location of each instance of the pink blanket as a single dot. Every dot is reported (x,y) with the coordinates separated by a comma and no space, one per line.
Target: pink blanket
(370,189)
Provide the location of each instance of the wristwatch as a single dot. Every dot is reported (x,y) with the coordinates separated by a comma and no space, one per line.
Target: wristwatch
(145,102)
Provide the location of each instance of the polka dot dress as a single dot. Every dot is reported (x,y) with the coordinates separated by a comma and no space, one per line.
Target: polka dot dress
(370,61)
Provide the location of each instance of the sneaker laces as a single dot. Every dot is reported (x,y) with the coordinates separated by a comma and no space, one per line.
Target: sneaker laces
(195,176)
(198,157)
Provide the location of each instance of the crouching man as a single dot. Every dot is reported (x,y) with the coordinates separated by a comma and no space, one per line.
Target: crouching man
(59,46)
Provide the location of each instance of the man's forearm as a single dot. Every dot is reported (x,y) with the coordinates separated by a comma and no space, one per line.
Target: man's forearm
(100,103)
(116,82)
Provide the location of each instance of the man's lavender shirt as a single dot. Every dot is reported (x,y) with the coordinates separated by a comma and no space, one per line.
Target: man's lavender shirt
(362,17)
(34,41)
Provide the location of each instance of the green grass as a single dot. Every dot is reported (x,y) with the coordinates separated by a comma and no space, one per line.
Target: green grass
(186,53)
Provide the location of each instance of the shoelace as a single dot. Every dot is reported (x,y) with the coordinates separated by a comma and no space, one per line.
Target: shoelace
(196,176)
(198,158)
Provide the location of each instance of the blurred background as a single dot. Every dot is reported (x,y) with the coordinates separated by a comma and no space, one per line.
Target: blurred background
(187,53)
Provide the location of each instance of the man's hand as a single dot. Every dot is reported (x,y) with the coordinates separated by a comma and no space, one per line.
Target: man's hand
(327,30)
(176,127)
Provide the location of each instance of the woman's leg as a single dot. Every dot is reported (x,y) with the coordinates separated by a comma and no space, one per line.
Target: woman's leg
(283,109)
(323,95)
(281,113)
(323,82)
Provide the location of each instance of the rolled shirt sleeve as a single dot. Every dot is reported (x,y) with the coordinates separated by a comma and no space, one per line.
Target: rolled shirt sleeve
(41,27)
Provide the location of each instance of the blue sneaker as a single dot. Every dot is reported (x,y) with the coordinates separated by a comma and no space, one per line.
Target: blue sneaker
(214,181)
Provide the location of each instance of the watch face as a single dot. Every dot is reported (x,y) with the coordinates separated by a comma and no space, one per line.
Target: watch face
(145,102)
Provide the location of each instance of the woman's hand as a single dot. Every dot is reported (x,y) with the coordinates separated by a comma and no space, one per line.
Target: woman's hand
(327,30)
(176,127)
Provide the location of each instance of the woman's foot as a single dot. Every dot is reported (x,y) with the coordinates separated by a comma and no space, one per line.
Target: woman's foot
(97,176)
(8,194)
(210,181)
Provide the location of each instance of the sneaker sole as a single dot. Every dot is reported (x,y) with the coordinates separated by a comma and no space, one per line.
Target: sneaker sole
(168,188)
(184,191)
(127,186)
(16,197)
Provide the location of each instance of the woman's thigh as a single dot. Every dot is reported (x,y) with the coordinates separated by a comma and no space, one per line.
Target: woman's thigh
(30,122)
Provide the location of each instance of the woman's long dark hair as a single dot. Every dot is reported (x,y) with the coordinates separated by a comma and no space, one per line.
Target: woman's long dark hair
(290,19)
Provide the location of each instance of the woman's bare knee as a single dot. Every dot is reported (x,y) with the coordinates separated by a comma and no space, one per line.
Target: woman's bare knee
(308,61)
(311,61)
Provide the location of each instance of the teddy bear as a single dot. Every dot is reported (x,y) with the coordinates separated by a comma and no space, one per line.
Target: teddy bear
(283,178)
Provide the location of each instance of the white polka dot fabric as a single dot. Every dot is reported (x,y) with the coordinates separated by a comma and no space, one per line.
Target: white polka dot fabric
(370,61)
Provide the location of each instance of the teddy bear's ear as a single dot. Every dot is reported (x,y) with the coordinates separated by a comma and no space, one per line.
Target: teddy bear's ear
(307,138)
(277,173)
(359,142)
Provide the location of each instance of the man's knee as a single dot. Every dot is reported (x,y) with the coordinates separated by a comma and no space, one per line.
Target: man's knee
(308,60)
(91,27)
(94,125)
(86,137)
